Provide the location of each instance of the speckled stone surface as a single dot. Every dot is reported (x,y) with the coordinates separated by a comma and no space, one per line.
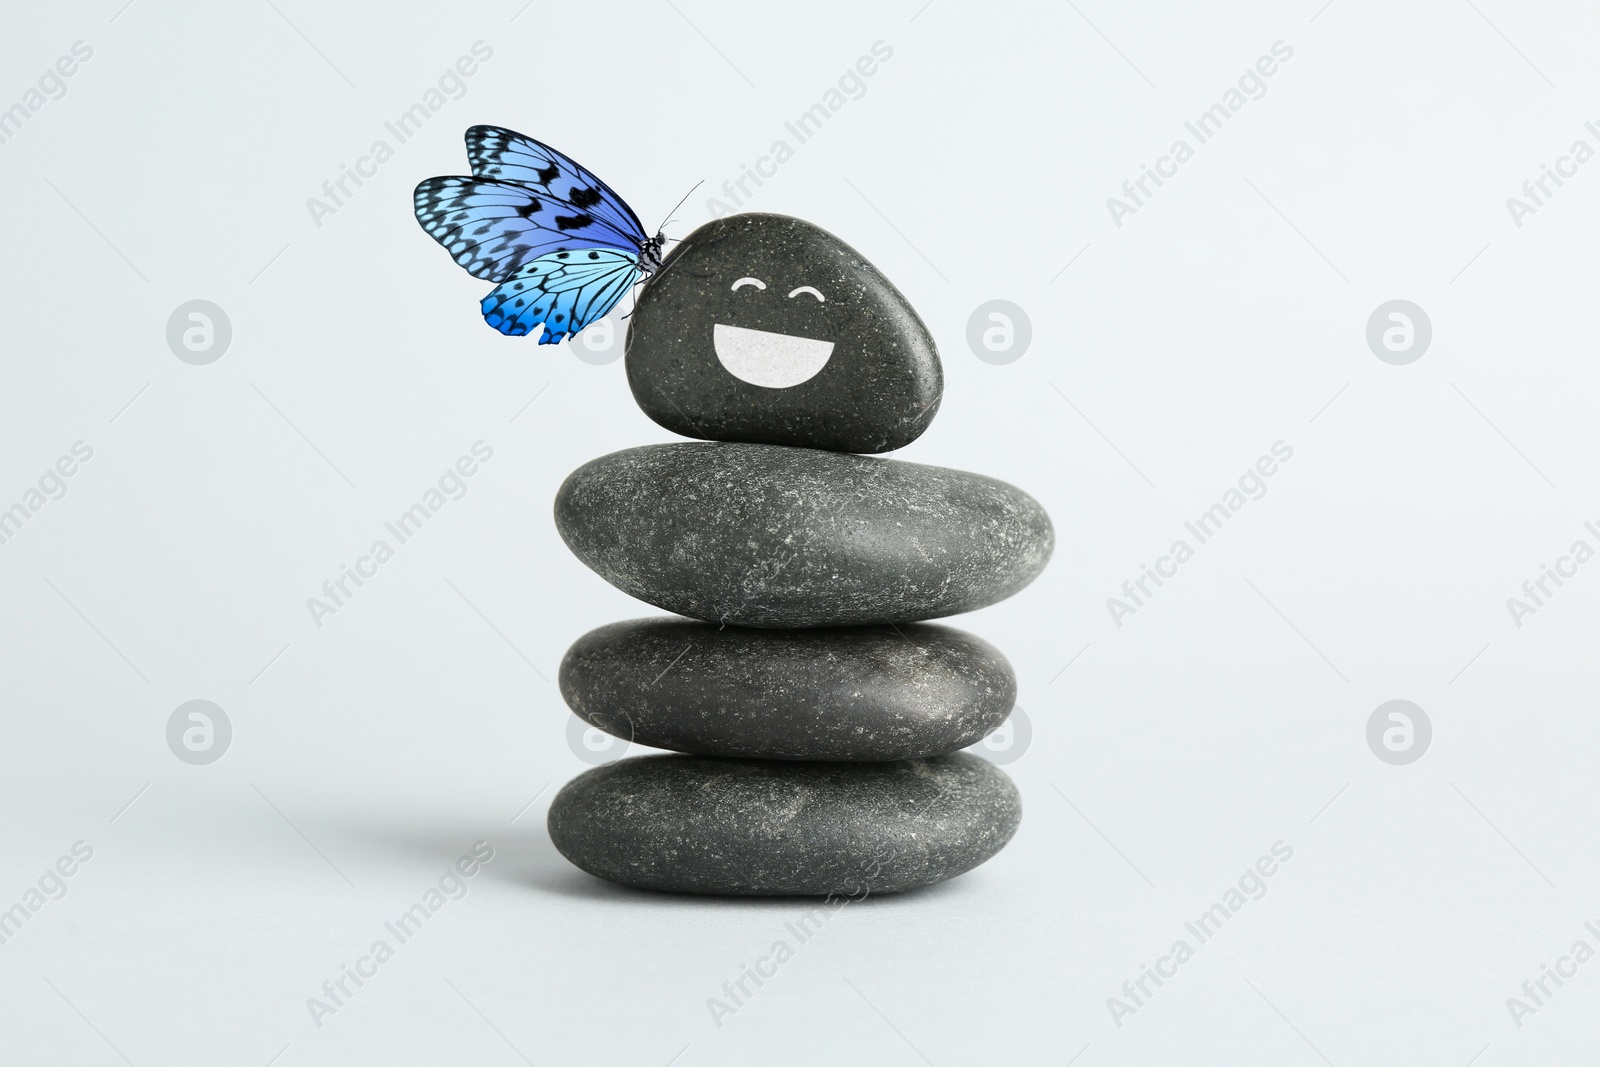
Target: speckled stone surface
(698,824)
(814,347)
(862,693)
(763,535)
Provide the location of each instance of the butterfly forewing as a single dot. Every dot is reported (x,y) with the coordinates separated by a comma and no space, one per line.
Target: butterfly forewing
(493,228)
(507,155)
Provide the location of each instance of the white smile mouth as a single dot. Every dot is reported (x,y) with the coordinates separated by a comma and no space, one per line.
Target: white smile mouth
(770,360)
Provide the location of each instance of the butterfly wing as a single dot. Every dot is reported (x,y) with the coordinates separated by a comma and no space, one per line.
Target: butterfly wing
(565,291)
(509,156)
(493,228)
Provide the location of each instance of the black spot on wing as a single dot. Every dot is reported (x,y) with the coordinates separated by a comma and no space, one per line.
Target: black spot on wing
(549,174)
(573,222)
(584,198)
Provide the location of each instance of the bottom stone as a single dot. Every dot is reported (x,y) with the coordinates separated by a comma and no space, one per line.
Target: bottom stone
(737,827)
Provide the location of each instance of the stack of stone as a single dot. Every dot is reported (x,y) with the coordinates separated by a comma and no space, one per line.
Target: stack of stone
(822,725)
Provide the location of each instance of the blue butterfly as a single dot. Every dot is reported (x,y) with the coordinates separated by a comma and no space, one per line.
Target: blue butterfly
(561,245)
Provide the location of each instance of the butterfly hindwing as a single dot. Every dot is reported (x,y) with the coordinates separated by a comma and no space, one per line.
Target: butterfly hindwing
(509,156)
(493,228)
(565,291)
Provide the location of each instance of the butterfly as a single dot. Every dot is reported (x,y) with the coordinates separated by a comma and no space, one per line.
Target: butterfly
(561,246)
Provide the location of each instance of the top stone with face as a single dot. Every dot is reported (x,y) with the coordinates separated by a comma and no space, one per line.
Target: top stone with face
(768,329)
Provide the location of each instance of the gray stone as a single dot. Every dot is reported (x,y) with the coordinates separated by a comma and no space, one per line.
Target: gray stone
(878,693)
(698,824)
(762,535)
(766,328)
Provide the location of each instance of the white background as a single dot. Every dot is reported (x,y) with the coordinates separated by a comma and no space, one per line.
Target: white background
(1227,314)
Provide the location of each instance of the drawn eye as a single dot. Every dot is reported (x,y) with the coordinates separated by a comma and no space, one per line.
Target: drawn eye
(807,289)
(757,282)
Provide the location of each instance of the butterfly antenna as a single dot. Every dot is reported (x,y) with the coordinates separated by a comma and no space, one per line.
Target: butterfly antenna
(685,200)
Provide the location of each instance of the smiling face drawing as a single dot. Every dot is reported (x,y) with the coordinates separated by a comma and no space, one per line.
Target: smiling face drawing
(767,359)
(768,329)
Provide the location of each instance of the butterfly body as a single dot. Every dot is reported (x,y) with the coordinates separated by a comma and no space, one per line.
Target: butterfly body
(650,253)
(562,247)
